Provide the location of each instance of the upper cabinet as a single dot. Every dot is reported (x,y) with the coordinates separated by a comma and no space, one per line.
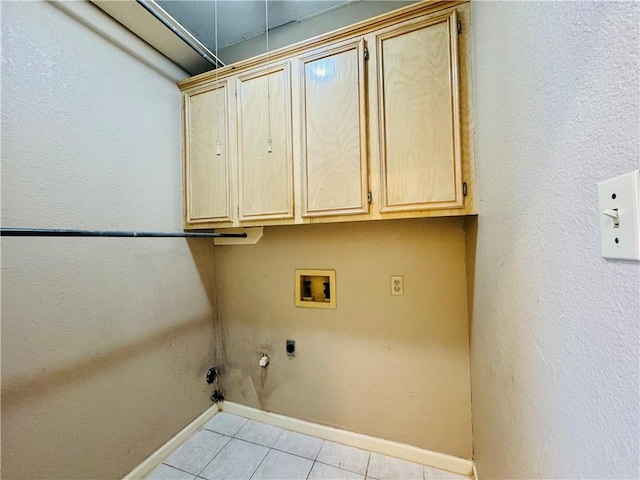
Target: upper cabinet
(368,122)
(419,125)
(207,170)
(265,156)
(334,131)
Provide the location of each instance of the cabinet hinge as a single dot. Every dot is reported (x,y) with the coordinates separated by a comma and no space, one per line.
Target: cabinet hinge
(464,189)
(459,27)
(369,197)
(366,53)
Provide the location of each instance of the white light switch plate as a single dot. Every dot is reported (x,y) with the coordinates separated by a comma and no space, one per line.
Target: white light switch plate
(620,196)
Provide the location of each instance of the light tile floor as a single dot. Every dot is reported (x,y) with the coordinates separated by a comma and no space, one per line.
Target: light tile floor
(229,447)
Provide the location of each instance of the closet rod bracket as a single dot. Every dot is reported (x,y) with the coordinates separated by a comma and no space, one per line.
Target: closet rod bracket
(252,235)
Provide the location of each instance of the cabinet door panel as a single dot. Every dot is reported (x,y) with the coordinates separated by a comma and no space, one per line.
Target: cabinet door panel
(334,131)
(264,121)
(207,173)
(418,102)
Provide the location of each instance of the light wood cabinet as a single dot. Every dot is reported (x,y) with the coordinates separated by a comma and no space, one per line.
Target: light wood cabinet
(334,143)
(207,169)
(265,157)
(419,126)
(369,122)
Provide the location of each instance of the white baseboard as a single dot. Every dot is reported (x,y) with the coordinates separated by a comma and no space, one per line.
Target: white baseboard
(441,461)
(475,472)
(167,449)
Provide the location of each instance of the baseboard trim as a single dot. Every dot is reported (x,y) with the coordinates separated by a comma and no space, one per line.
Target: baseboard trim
(441,461)
(167,449)
(475,472)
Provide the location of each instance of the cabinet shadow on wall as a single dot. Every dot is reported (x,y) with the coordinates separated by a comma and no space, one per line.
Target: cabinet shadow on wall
(471,240)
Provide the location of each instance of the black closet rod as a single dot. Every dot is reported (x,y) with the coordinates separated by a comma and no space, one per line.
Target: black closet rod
(48,232)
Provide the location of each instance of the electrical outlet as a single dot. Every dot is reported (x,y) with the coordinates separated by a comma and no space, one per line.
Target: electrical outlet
(397,285)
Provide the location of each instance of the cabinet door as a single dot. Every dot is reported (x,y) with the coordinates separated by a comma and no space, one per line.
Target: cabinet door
(265,161)
(206,173)
(419,115)
(334,143)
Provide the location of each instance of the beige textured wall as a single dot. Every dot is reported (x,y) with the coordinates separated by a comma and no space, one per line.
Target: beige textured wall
(556,330)
(105,342)
(392,367)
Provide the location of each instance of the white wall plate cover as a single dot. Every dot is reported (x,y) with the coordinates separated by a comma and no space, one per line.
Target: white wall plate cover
(619,203)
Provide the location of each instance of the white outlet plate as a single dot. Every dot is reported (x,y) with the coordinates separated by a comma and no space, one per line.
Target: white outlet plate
(620,196)
(397,285)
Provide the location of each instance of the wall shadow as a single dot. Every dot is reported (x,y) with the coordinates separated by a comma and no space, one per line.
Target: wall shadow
(471,244)
(15,393)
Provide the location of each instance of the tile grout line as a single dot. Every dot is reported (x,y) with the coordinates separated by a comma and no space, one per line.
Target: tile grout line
(270,448)
(219,451)
(310,470)
(214,457)
(366,471)
(276,440)
(319,450)
(342,468)
(240,440)
(295,454)
(280,450)
(261,462)
(168,465)
(274,448)
(315,460)
(223,447)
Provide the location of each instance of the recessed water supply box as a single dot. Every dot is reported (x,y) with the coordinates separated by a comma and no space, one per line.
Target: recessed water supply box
(315,288)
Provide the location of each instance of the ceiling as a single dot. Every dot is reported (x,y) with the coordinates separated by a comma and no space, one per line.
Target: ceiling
(239,20)
(190,39)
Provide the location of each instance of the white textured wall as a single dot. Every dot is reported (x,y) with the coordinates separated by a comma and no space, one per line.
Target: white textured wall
(555,333)
(105,342)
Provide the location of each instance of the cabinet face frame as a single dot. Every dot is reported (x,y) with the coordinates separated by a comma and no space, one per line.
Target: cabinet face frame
(457,201)
(285,68)
(358,46)
(188,176)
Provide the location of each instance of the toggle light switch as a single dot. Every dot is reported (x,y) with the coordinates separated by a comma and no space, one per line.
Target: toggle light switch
(619,202)
(613,213)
